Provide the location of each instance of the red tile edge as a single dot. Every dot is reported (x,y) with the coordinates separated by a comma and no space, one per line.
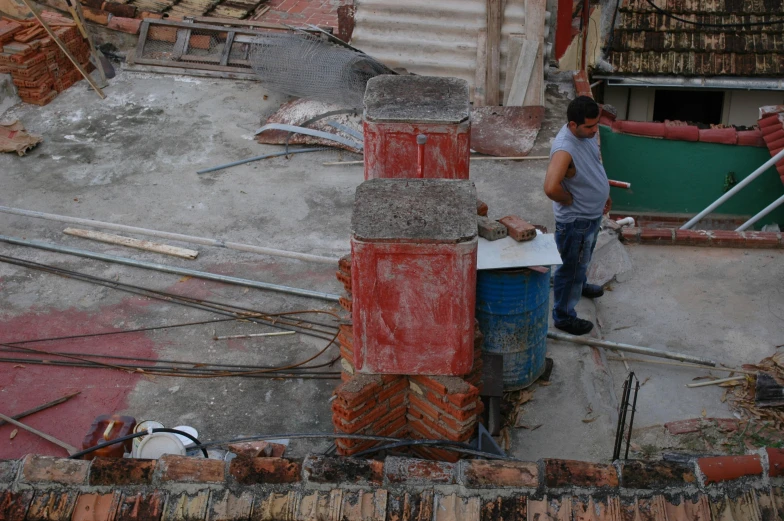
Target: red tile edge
(726,468)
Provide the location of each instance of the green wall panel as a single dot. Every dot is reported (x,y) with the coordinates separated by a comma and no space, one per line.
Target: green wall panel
(685,177)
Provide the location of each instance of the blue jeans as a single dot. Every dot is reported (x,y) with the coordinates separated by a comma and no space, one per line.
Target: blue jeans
(575,241)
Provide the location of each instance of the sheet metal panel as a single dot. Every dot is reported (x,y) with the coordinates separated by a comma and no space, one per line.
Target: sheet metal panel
(434,38)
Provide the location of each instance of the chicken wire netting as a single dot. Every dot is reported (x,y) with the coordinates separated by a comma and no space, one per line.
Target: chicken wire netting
(195,46)
(306,66)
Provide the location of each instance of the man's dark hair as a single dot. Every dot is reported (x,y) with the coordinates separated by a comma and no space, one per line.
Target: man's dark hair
(582,107)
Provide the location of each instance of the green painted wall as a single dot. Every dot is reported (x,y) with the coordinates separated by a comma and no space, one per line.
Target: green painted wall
(685,177)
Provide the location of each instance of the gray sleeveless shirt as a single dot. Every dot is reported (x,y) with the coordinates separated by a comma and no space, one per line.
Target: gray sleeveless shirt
(589,186)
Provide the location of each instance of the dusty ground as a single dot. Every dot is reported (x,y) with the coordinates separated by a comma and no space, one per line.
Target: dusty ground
(132,158)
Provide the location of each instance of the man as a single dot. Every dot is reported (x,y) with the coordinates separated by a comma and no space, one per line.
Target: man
(579,200)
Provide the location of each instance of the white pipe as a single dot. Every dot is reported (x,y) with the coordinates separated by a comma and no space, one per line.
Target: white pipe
(735,189)
(772,206)
(630,348)
(170,269)
(626,221)
(173,236)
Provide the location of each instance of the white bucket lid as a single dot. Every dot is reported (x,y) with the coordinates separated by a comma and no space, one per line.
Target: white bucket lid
(159,443)
(184,439)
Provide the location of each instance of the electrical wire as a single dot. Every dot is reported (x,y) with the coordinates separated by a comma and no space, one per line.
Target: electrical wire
(441,444)
(669,14)
(121,439)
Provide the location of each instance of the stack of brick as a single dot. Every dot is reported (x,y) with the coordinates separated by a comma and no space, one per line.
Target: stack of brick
(40,70)
(771,123)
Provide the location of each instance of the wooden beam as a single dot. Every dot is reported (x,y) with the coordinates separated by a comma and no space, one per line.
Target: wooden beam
(494,19)
(523,73)
(119,240)
(534,30)
(480,81)
(514,46)
(178,69)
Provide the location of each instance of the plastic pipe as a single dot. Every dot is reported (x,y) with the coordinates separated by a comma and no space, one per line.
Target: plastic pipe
(421,139)
(630,348)
(735,189)
(170,269)
(620,184)
(173,236)
(772,206)
(626,221)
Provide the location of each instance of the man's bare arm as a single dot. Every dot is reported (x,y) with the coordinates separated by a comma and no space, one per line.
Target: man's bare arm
(556,171)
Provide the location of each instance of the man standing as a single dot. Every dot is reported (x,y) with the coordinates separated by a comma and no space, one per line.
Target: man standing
(579,200)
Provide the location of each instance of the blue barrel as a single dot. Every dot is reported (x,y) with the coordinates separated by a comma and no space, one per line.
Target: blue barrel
(512,307)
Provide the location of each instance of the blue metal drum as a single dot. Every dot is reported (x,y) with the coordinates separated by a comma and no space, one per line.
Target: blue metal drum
(512,307)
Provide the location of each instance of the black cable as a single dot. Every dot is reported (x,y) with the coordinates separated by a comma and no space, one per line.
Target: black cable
(136,435)
(702,24)
(441,444)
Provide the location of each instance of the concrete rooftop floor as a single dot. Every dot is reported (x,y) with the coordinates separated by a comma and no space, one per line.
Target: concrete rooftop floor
(132,159)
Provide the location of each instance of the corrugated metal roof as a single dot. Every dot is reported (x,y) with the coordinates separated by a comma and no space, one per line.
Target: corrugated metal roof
(435,38)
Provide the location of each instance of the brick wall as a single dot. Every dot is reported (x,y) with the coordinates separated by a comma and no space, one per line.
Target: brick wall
(176,488)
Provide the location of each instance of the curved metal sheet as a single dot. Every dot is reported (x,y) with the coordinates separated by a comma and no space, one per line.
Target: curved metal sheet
(435,38)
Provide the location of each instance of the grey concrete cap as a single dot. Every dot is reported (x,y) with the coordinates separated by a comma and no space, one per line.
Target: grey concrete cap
(431,210)
(416,99)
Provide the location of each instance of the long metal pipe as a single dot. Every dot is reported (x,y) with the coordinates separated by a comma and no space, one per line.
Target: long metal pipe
(630,348)
(765,211)
(170,269)
(257,158)
(735,189)
(173,236)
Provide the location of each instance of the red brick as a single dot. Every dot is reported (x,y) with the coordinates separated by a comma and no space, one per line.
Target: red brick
(257,449)
(114,472)
(141,507)
(96,507)
(656,474)
(726,468)
(97,16)
(775,462)
(657,235)
(684,426)
(499,474)
(463,399)
(430,383)
(344,264)
(692,237)
(438,430)
(361,388)
(518,228)
(413,471)
(762,239)
(119,10)
(325,469)
(249,471)
(438,454)
(52,505)
(630,234)
(345,303)
(481,208)
(401,385)
(125,25)
(56,470)
(726,238)
(727,424)
(569,473)
(393,422)
(191,469)
(13,505)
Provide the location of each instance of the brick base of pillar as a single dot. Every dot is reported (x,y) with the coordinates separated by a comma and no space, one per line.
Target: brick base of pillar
(400,406)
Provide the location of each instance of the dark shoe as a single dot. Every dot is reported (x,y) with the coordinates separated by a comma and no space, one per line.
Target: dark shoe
(592,291)
(576,326)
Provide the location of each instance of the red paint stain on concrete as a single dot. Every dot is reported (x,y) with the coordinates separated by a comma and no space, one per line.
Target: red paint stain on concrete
(24,386)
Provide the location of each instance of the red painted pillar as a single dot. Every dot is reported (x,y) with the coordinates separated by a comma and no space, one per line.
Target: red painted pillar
(563,28)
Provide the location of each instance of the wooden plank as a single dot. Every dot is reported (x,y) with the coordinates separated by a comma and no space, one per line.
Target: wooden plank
(523,74)
(514,46)
(119,240)
(244,23)
(174,69)
(181,44)
(480,81)
(195,65)
(534,30)
(197,26)
(494,18)
(140,44)
(224,59)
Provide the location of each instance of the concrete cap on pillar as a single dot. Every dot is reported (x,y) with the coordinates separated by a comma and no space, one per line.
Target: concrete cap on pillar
(416,99)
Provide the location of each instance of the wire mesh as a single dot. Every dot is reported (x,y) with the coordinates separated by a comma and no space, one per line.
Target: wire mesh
(306,66)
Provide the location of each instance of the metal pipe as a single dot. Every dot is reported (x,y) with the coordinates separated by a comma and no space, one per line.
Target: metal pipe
(173,236)
(697,82)
(257,158)
(735,189)
(772,206)
(619,184)
(630,348)
(170,269)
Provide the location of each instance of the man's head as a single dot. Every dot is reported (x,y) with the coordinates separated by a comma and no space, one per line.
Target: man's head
(583,115)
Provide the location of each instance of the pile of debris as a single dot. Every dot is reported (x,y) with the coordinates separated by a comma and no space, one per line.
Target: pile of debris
(760,397)
(39,68)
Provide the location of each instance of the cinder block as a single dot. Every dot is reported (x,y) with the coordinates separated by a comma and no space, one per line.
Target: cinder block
(518,229)
(490,230)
